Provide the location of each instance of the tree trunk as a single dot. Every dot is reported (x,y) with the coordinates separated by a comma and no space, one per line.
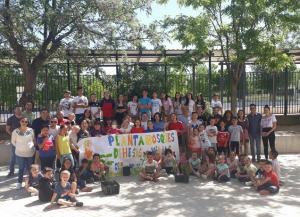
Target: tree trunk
(30,76)
(234,90)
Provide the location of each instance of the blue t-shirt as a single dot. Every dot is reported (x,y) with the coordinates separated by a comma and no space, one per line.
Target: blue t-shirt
(144,101)
(60,190)
(221,168)
(49,148)
(159,126)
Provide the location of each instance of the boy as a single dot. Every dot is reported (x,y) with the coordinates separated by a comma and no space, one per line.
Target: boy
(235,131)
(79,103)
(250,169)
(223,139)
(46,185)
(95,107)
(195,163)
(223,173)
(275,164)
(156,104)
(65,104)
(270,185)
(212,132)
(149,169)
(62,193)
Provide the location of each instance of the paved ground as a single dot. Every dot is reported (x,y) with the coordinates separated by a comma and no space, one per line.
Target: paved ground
(166,198)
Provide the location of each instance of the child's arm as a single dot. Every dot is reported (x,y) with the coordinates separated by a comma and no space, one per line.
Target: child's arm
(53,198)
(27,183)
(56,147)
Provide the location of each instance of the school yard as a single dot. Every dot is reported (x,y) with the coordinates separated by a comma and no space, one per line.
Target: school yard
(166,198)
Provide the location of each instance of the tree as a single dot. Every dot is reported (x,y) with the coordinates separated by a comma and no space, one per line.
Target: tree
(36,31)
(241,29)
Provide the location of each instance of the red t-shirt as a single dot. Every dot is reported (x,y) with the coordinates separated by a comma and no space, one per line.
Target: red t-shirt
(178,126)
(62,121)
(112,131)
(222,138)
(137,130)
(274,178)
(107,107)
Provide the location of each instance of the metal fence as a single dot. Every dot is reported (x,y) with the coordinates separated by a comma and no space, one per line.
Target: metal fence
(279,90)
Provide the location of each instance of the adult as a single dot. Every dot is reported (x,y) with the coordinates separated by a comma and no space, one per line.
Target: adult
(156,104)
(144,103)
(79,103)
(268,125)
(167,104)
(190,103)
(13,123)
(23,139)
(200,102)
(28,112)
(47,152)
(177,104)
(107,105)
(43,120)
(254,131)
(158,123)
(65,104)
(243,122)
(121,109)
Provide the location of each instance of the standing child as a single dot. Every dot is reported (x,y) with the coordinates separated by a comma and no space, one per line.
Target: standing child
(235,131)
(149,169)
(223,137)
(94,107)
(156,104)
(204,140)
(270,185)
(32,182)
(46,185)
(63,194)
(194,142)
(194,164)
(223,173)
(212,132)
(133,108)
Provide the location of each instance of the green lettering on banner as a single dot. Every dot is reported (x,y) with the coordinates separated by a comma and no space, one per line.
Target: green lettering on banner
(141,141)
(162,138)
(116,153)
(117,140)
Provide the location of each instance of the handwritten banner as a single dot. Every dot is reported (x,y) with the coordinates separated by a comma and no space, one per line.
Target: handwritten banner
(127,149)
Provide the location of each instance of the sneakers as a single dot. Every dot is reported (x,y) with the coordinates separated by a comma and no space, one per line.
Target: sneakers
(248,183)
(79,204)
(10,174)
(19,186)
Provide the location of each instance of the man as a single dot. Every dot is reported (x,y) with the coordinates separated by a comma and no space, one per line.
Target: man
(28,112)
(145,103)
(13,123)
(38,123)
(254,130)
(80,103)
(65,104)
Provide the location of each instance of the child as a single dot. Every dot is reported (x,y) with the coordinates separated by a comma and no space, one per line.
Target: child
(270,185)
(84,175)
(72,118)
(194,164)
(241,166)
(150,127)
(137,127)
(96,129)
(182,163)
(212,132)
(250,170)
(158,158)
(46,185)
(194,123)
(113,129)
(208,164)
(133,108)
(54,128)
(144,120)
(32,183)
(222,139)
(275,164)
(204,140)
(156,104)
(94,107)
(223,174)
(232,162)
(194,142)
(149,169)
(169,162)
(98,168)
(235,131)
(63,194)
(259,175)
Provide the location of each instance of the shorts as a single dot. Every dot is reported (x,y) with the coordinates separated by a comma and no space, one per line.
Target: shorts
(268,187)
(67,198)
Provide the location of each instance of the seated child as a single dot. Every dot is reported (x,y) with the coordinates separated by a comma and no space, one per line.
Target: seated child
(98,168)
(63,194)
(270,184)
(137,127)
(275,164)
(144,121)
(149,169)
(259,175)
(67,165)
(194,142)
(241,172)
(208,164)
(113,129)
(194,164)
(169,162)
(250,169)
(232,162)
(223,174)
(182,164)
(150,127)
(84,176)
(32,182)
(158,158)
(46,185)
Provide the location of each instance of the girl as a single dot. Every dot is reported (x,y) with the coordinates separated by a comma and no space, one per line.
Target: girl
(158,124)
(208,164)
(32,182)
(190,103)
(121,109)
(177,104)
(54,128)
(227,118)
(243,122)
(24,141)
(194,123)
(84,130)
(194,142)
(84,174)
(133,108)
(137,127)
(96,129)
(144,120)
(114,128)
(125,127)
(98,168)
(150,127)
(166,104)
(94,106)
(63,146)
(47,150)
(268,125)
(232,162)
(87,115)
(195,163)
(223,174)
(200,102)
(169,162)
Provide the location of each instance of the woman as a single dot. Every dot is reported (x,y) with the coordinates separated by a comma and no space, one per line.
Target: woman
(268,125)
(200,102)
(166,104)
(158,124)
(47,151)
(63,145)
(243,122)
(190,103)
(87,115)
(121,110)
(177,104)
(23,140)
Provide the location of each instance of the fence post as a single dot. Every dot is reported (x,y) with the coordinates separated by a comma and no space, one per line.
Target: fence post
(78,74)
(209,75)
(165,68)
(222,81)
(194,75)
(46,87)
(244,87)
(68,74)
(286,90)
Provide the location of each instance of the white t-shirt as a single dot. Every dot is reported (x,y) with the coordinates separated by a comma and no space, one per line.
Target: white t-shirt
(125,130)
(216,103)
(144,124)
(66,106)
(150,168)
(23,141)
(212,129)
(168,106)
(156,104)
(53,131)
(191,106)
(79,100)
(204,141)
(276,167)
(267,122)
(133,108)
